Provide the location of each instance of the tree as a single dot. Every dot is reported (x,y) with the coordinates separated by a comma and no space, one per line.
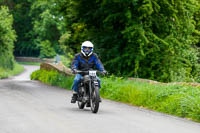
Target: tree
(148,38)
(35,22)
(48,25)
(22,25)
(7,38)
(47,50)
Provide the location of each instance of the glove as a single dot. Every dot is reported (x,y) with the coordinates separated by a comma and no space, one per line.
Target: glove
(75,71)
(104,72)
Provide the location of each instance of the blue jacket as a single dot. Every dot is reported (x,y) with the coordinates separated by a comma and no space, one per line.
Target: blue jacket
(82,63)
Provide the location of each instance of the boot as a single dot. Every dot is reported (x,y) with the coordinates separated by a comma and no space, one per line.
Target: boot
(74,98)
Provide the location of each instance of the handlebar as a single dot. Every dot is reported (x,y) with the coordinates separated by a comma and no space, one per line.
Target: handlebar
(87,72)
(82,72)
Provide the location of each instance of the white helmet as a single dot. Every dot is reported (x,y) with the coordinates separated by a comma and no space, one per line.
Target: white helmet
(87,48)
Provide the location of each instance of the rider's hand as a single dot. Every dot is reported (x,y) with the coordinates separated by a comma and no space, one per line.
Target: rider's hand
(75,71)
(104,72)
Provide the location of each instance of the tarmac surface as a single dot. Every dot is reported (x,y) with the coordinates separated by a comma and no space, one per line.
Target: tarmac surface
(32,107)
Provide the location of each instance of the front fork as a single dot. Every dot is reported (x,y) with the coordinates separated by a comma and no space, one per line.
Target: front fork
(91,89)
(86,93)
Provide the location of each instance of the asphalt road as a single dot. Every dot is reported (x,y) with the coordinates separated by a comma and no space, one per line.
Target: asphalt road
(31,107)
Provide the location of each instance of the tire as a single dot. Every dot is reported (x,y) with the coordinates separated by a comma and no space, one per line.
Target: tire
(81,105)
(94,100)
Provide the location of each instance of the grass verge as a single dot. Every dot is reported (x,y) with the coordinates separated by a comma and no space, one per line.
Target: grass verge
(29,63)
(4,73)
(52,78)
(178,100)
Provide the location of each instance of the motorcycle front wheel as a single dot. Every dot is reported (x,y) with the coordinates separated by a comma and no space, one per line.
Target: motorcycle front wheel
(94,100)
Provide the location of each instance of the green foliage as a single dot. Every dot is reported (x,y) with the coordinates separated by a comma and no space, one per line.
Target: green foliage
(52,78)
(66,61)
(71,40)
(5,73)
(46,50)
(7,38)
(148,39)
(179,100)
(48,24)
(22,25)
(35,22)
(151,39)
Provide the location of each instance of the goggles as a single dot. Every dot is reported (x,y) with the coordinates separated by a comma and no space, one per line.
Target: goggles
(87,50)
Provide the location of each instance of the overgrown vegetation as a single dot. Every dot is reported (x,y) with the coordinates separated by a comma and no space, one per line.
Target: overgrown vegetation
(142,38)
(150,39)
(66,61)
(52,78)
(7,38)
(38,26)
(177,100)
(8,66)
(5,73)
(48,26)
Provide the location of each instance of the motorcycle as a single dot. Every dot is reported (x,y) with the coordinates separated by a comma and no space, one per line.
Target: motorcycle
(88,91)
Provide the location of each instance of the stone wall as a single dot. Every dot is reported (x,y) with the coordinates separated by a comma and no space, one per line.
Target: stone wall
(32,59)
(57,67)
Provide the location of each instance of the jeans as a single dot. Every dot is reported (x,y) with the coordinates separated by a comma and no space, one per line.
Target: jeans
(77,80)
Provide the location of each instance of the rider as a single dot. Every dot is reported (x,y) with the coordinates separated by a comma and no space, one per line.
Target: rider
(85,61)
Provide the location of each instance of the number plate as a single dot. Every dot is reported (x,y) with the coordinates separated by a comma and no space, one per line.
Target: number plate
(92,73)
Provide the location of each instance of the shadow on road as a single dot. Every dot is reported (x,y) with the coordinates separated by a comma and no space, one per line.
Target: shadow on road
(75,109)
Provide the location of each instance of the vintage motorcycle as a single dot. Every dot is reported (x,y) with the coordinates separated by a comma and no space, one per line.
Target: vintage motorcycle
(88,91)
